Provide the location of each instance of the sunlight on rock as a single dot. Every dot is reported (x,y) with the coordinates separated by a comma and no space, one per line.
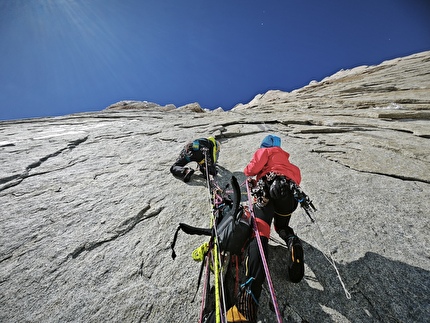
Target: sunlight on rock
(335,315)
(311,279)
(89,207)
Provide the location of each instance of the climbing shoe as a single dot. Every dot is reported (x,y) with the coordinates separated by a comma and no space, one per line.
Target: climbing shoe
(188,173)
(296,265)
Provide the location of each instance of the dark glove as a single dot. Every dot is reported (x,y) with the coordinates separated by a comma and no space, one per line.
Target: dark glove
(212,170)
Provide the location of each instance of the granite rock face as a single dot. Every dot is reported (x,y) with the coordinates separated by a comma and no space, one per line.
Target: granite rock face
(89,207)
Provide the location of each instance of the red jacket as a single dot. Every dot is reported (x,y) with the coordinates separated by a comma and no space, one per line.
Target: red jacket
(273,159)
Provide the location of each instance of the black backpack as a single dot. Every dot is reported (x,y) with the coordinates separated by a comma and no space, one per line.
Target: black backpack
(234,228)
(234,231)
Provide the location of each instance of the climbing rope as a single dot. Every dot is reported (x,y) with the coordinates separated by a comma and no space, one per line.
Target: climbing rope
(329,256)
(214,200)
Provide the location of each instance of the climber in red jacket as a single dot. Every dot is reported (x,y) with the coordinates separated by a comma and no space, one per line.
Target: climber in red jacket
(270,173)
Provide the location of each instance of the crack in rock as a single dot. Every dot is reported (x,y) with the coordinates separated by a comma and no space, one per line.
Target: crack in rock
(403,178)
(125,227)
(14,180)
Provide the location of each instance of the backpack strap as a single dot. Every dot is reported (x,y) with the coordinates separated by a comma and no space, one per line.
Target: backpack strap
(189,230)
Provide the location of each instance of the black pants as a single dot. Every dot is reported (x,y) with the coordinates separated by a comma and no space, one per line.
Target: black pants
(279,211)
(178,168)
(187,155)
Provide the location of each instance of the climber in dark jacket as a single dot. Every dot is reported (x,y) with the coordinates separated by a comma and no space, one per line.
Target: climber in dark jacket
(195,152)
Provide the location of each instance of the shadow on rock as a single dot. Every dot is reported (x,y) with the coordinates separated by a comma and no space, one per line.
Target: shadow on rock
(382,290)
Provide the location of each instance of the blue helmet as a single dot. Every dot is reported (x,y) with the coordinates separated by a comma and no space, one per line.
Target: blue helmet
(271,141)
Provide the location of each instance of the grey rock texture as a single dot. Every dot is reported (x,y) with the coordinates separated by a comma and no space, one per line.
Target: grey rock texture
(89,208)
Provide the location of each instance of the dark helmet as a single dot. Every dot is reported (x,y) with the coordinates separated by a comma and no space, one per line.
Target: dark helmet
(279,188)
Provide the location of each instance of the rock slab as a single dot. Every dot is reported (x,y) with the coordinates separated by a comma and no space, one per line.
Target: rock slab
(89,208)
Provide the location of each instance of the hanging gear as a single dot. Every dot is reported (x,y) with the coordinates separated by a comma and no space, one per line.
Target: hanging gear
(279,188)
(276,186)
(260,193)
(303,199)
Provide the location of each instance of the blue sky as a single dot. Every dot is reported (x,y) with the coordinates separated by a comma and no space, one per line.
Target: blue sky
(66,56)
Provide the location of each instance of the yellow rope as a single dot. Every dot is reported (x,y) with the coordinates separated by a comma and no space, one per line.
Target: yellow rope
(217,300)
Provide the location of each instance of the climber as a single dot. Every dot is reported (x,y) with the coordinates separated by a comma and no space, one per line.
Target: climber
(195,152)
(270,174)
